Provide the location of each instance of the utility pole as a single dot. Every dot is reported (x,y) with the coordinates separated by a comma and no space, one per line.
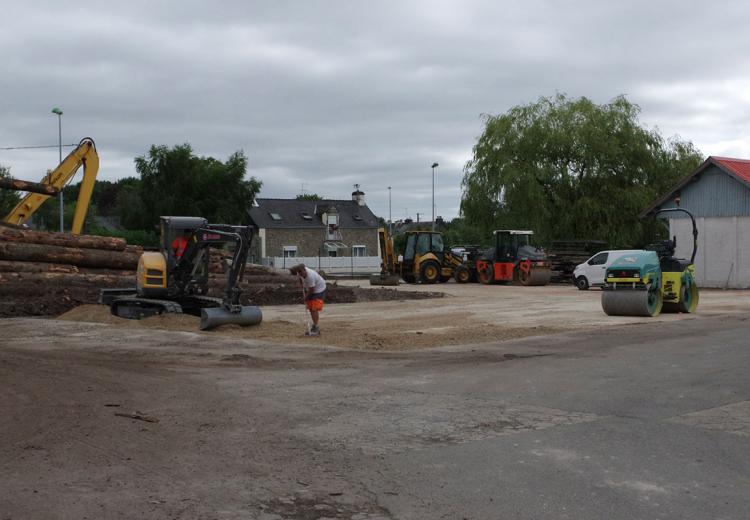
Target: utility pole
(390,217)
(434,165)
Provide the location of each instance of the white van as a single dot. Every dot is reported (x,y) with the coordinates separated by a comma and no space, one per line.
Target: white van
(591,272)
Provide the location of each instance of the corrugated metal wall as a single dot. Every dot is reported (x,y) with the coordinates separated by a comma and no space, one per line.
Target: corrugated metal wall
(723,257)
(715,194)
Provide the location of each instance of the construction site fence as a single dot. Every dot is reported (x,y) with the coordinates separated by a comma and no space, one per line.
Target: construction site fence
(352,265)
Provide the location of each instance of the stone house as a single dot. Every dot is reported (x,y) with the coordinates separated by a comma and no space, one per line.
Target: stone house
(717,193)
(291,228)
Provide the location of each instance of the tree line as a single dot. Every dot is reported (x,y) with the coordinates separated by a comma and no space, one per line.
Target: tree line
(565,168)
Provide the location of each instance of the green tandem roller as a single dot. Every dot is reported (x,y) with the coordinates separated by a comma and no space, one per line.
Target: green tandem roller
(645,283)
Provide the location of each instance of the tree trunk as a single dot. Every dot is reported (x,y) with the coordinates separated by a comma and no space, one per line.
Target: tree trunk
(35,267)
(78,279)
(29,236)
(34,187)
(18,251)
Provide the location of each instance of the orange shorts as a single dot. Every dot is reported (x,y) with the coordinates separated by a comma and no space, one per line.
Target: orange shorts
(316,304)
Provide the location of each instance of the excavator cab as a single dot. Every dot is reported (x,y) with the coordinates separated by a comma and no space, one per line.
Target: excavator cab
(423,257)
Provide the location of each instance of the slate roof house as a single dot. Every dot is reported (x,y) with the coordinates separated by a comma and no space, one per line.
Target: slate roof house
(717,193)
(291,228)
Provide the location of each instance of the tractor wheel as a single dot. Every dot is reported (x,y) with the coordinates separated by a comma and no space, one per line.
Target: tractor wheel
(462,274)
(486,275)
(429,272)
(582,283)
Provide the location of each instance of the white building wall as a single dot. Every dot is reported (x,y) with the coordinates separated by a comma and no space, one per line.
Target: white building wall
(723,257)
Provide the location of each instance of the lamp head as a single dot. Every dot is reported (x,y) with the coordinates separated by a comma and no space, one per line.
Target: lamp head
(57,111)
(435,165)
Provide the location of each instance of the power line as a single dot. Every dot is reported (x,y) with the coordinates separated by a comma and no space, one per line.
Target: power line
(30,147)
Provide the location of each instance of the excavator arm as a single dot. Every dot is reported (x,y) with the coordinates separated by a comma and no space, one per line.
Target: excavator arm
(84,155)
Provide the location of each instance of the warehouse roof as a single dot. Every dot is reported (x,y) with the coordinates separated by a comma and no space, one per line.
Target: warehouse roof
(738,169)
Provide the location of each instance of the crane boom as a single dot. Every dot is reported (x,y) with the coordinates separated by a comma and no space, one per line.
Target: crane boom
(83,155)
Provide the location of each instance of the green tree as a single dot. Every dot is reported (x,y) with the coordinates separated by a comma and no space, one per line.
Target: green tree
(460,232)
(8,198)
(309,196)
(569,168)
(174,181)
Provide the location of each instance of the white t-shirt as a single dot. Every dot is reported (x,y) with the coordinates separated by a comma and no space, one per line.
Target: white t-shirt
(313,280)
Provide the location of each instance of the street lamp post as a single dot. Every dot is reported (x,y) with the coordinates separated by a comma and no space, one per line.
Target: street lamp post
(59,141)
(390,217)
(434,165)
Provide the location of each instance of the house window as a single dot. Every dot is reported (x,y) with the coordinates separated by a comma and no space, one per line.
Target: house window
(275,216)
(333,224)
(359,250)
(333,252)
(290,251)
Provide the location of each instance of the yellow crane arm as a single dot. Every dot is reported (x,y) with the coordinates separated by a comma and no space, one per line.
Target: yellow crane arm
(84,155)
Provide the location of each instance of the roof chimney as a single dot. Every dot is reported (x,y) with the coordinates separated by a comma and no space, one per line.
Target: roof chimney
(358,196)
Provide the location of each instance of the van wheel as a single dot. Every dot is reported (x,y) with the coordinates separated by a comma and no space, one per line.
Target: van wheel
(582,283)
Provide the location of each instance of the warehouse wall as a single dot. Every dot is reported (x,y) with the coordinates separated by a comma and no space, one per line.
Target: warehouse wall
(723,258)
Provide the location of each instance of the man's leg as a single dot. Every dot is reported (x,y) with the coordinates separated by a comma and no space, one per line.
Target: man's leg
(314,315)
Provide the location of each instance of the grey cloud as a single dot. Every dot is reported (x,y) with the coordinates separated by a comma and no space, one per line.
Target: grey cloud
(335,93)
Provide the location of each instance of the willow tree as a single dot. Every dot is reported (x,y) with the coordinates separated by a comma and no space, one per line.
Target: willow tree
(569,168)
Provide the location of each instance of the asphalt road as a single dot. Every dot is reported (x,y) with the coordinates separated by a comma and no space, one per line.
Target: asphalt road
(643,421)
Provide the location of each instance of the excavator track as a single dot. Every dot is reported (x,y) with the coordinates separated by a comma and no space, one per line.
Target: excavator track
(138,308)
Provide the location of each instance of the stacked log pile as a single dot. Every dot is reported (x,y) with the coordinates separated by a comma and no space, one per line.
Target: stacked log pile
(44,273)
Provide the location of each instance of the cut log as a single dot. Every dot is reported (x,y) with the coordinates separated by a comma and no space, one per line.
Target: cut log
(34,187)
(35,267)
(19,251)
(29,236)
(72,279)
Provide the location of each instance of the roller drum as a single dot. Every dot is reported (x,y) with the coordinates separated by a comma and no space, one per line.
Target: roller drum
(625,302)
(537,276)
(214,316)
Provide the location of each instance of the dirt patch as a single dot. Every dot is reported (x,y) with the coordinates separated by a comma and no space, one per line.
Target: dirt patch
(54,297)
(366,334)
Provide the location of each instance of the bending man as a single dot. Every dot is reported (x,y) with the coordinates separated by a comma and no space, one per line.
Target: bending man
(314,288)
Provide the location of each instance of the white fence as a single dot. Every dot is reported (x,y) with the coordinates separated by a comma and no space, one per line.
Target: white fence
(330,264)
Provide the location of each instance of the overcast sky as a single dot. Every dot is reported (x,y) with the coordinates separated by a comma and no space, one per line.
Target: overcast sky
(322,95)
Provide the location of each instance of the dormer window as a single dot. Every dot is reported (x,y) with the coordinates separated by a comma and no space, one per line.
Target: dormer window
(275,216)
(332,223)
(357,218)
(306,216)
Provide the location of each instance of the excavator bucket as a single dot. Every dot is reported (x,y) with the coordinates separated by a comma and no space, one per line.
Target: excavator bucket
(384,279)
(214,316)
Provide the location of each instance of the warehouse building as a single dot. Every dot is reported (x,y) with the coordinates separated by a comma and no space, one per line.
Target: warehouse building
(717,193)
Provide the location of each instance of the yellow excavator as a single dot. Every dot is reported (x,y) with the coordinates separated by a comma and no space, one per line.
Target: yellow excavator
(175,279)
(84,155)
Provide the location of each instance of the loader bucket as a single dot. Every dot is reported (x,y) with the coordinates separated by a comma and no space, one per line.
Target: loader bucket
(384,279)
(214,316)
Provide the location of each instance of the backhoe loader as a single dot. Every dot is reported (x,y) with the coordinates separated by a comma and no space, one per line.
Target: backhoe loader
(83,155)
(175,278)
(424,259)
